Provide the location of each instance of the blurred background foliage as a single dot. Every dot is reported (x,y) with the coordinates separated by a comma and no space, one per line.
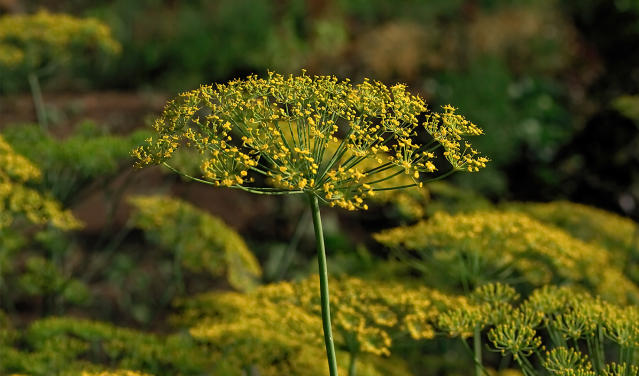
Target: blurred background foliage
(553,83)
(542,77)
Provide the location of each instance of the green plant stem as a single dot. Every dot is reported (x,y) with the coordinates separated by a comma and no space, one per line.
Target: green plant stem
(38,102)
(352,371)
(477,348)
(600,348)
(323,276)
(471,352)
(289,252)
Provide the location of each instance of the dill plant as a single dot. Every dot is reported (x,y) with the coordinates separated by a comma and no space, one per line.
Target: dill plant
(18,200)
(71,346)
(199,241)
(35,45)
(556,330)
(23,206)
(369,318)
(87,156)
(332,141)
(619,235)
(463,251)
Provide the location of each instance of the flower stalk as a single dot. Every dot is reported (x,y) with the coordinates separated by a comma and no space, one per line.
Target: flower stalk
(479,369)
(323,276)
(38,102)
(352,368)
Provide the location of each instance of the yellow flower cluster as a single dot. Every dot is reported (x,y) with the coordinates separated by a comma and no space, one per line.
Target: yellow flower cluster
(623,369)
(16,199)
(563,360)
(491,246)
(449,129)
(367,316)
(489,304)
(618,234)
(563,316)
(10,56)
(202,242)
(273,338)
(70,346)
(317,134)
(115,373)
(33,40)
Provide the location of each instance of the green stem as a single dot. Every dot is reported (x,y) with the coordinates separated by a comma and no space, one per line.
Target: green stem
(470,351)
(177,272)
(477,348)
(38,102)
(352,366)
(323,276)
(600,347)
(289,252)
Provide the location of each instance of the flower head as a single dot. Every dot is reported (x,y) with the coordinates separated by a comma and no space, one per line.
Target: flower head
(339,141)
(35,40)
(17,199)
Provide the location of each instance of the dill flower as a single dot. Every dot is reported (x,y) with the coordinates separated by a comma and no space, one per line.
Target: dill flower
(560,360)
(200,241)
(34,45)
(18,200)
(590,224)
(115,373)
(514,338)
(621,369)
(461,321)
(34,40)
(569,331)
(335,140)
(622,326)
(367,315)
(494,245)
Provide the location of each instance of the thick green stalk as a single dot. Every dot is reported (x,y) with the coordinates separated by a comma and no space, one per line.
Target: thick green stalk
(353,366)
(38,102)
(323,276)
(479,369)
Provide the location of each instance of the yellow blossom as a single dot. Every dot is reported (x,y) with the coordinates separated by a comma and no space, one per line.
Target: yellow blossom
(286,129)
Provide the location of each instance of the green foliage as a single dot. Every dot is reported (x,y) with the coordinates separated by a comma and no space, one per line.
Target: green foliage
(378,10)
(18,199)
(70,345)
(198,241)
(517,113)
(21,207)
(70,165)
(41,277)
(205,48)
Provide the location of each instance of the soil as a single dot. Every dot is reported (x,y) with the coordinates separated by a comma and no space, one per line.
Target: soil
(120,112)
